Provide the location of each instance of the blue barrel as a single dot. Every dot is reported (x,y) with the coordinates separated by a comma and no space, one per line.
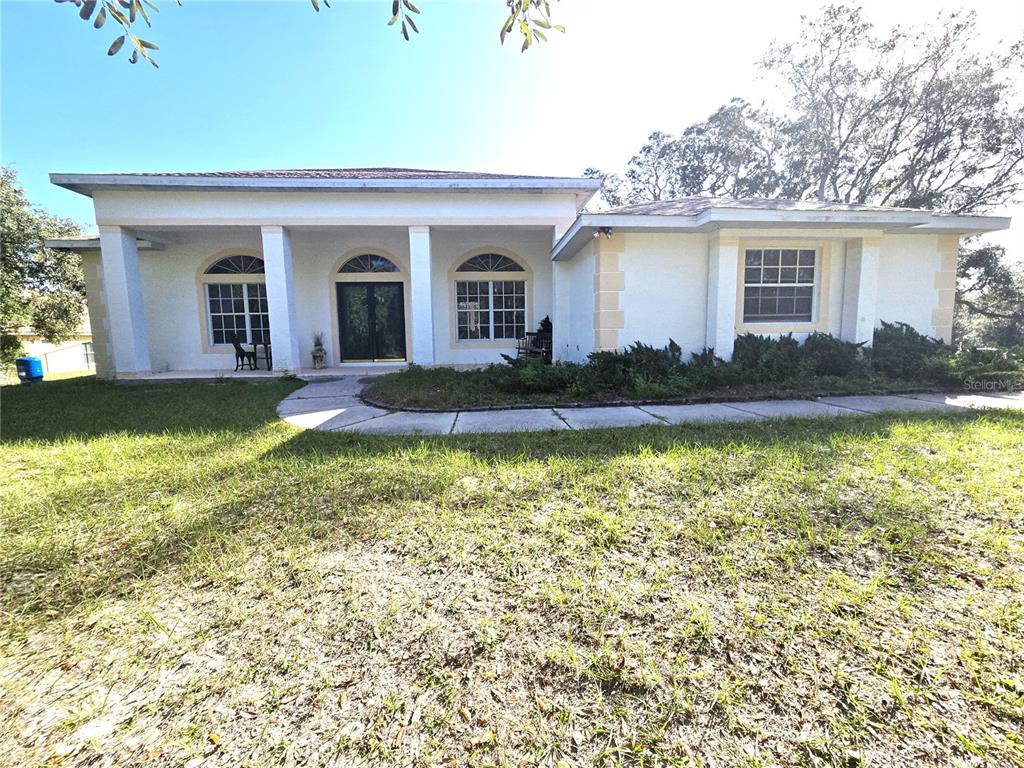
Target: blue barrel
(29,368)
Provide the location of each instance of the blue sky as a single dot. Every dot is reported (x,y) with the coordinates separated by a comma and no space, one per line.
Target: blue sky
(274,85)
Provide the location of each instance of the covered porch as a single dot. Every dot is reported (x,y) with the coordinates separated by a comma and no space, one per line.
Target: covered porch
(430,267)
(168,301)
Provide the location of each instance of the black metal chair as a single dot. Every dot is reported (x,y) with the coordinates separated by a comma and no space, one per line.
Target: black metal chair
(243,356)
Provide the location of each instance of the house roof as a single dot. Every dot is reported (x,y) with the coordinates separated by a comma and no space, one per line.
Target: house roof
(334,173)
(329,179)
(707,214)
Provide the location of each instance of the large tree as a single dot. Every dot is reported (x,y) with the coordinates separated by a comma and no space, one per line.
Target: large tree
(920,118)
(530,19)
(990,297)
(39,288)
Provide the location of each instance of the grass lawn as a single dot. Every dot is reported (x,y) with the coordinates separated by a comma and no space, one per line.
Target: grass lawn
(185,580)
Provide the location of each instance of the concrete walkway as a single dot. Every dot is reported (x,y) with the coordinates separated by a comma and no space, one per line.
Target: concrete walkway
(334,406)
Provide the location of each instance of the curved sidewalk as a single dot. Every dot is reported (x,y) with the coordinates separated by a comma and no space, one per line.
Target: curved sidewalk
(334,406)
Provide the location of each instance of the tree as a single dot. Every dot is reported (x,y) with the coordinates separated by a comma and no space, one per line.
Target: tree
(530,18)
(734,153)
(990,297)
(917,118)
(910,118)
(39,287)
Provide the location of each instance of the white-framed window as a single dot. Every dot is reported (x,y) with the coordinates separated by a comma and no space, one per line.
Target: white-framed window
(778,285)
(492,306)
(238,312)
(490,309)
(236,302)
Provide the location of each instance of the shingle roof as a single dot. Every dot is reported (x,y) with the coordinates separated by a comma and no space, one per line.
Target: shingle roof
(340,173)
(694,206)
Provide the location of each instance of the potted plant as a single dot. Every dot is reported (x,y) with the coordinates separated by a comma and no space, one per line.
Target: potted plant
(319,354)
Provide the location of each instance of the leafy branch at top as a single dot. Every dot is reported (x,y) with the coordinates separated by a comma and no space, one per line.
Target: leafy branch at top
(125,13)
(532,18)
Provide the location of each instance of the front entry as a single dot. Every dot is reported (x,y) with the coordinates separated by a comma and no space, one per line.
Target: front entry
(371,321)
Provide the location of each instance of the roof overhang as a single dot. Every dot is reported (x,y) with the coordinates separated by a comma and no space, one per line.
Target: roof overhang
(88,183)
(588,226)
(93,244)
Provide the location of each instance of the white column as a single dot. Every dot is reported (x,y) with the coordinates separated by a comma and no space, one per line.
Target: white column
(723,271)
(860,289)
(277,262)
(122,286)
(561,298)
(422,300)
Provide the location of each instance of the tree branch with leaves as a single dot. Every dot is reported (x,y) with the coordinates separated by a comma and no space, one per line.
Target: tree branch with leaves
(530,18)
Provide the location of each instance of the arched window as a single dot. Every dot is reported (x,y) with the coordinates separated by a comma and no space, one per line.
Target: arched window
(236,301)
(237,265)
(493,304)
(489,262)
(368,262)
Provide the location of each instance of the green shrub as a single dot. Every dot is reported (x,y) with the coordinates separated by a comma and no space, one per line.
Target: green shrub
(981,365)
(606,372)
(767,359)
(825,355)
(901,352)
(538,377)
(654,362)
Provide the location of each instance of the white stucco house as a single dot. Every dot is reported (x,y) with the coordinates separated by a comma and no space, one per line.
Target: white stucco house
(451,268)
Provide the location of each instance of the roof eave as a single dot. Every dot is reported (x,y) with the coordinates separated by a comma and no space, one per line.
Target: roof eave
(93,244)
(87,184)
(585,226)
(964,225)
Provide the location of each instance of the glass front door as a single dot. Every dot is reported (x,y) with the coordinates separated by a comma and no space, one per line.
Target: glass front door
(371,320)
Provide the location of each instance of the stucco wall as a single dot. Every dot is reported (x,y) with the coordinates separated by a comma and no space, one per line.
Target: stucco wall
(577,341)
(142,208)
(906,280)
(666,288)
(449,248)
(99,323)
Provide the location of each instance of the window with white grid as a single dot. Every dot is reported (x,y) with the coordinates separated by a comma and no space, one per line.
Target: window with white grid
(490,309)
(238,311)
(778,284)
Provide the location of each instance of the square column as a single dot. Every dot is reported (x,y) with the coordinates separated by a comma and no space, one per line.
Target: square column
(122,284)
(609,283)
(420,262)
(723,274)
(860,290)
(945,287)
(277,262)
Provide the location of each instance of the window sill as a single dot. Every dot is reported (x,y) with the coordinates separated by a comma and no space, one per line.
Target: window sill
(775,326)
(484,344)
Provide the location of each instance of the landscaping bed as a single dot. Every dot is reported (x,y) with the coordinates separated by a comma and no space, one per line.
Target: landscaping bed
(900,361)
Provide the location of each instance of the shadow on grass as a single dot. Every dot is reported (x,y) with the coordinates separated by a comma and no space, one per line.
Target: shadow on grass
(226,473)
(85,407)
